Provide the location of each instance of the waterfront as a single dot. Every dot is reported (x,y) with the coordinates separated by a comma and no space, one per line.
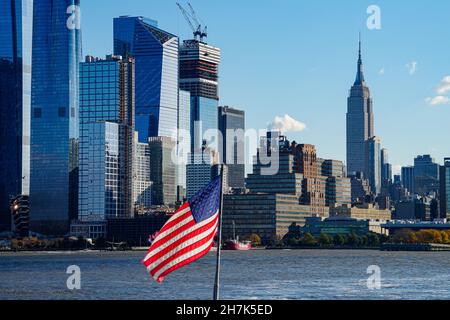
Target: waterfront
(296,274)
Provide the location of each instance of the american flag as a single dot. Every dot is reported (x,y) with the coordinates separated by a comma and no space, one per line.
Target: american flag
(188,235)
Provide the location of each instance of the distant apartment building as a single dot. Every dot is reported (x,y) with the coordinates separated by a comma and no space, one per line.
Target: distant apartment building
(232,148)
(332,168)
(106,148)
(163,171)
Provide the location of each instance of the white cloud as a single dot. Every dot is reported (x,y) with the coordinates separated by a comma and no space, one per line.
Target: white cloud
(438,100)
(381,72)
(412,67)
(444,86)
(287,124)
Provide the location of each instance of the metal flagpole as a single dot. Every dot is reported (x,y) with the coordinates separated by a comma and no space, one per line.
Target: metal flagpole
(216,295)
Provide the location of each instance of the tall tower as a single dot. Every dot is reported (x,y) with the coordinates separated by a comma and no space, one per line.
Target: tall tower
(16,23)
(360,122)
(54,118)
(156,57)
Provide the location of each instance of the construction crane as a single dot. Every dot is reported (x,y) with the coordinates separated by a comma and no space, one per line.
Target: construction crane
(200,32)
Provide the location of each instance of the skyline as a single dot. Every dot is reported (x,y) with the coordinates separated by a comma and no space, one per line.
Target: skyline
(305,67)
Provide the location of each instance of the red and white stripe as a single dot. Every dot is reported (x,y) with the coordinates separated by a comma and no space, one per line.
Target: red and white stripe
(180,242)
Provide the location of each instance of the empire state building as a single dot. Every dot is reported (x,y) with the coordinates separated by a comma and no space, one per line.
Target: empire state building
(360,122)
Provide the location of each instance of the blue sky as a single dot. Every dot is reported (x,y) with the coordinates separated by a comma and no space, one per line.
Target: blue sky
(299,58)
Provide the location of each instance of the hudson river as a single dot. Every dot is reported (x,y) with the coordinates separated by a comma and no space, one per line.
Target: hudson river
(297,274)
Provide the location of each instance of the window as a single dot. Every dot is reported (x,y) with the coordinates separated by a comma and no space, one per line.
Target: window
(38,112)
(62,112)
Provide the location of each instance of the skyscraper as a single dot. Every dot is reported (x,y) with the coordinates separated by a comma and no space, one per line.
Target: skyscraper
(199,74)
(156,56)
(408,178)
(106,138)
(184,143)
(16,23)
(232,128)
(426,175)
(360,122)
(54,120)
(142,182)
(163,171)
(373,154)
(444,193)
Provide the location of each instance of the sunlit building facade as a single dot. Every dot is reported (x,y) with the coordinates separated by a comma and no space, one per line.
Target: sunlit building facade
(156,56)
(54,115)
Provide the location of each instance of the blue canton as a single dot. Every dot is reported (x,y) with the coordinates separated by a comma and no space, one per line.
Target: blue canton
(207,202)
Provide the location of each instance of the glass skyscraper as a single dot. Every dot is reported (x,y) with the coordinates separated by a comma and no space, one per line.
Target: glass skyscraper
(106,138)
(199,74)
(16,25)
(54,115)
(374,164)
(184,127)
(232,121)
(156,56)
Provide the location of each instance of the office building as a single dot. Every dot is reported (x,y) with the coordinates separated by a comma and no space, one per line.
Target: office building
(142,183)
(426,175)
(201,169)
(16,25)
(444,193)
(338,191)
(163,171)
(360,122)
(199,74)
(373,164)
(360,187)
(156,56)
(266,215)
(408,178)
(366,211)
(232,145)
(184,142)
(332,168)
(54,121)
(106,138)
(342,226)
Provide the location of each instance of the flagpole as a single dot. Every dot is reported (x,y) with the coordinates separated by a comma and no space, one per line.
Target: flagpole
(216,295)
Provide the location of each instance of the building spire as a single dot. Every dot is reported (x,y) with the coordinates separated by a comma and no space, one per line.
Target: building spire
(360,73)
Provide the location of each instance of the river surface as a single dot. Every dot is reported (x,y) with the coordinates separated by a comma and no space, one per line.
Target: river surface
(259,274)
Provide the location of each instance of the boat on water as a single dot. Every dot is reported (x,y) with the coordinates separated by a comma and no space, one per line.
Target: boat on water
(236,244)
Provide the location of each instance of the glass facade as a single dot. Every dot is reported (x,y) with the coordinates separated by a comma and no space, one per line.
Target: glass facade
(156,56)
(106,133)
(233,150)
(374,165)
(16,25)
(184,127)
(54,121)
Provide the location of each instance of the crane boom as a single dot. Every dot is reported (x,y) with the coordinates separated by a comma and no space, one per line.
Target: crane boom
(192,19)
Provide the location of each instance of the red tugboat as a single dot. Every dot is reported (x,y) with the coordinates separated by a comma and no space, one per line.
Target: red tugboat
(235,244)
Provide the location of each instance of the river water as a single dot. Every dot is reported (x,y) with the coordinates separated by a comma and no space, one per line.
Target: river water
(259,274)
